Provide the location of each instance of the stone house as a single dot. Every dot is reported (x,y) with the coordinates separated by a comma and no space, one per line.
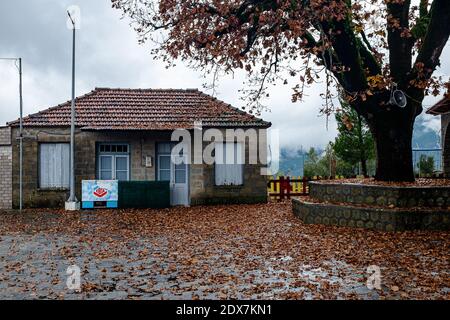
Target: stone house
(442,108)
(125,134)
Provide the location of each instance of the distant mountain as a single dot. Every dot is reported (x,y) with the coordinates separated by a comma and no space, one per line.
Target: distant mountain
(291,162)
(424,137)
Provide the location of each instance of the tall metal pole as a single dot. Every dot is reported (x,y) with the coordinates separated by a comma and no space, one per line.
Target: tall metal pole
(20,139)
(72,203)
(72,126)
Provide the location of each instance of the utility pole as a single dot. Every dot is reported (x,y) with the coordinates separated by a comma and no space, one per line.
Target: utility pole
(20,131)
(20,139)
(72,203)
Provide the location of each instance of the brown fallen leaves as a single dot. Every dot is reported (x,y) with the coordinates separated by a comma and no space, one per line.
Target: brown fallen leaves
(232,252)
(421,182)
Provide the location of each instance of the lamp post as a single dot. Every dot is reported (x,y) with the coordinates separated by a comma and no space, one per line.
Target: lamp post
(72,203)
(20,131)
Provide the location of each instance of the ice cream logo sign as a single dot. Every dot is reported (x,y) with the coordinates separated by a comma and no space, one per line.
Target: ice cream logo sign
(100,190)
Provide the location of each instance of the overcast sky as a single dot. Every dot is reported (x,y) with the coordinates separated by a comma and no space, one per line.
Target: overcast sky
(109,56)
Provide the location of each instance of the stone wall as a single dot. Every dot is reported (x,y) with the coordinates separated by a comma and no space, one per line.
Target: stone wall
(401,197)
(205,191)
(375,207)
(5,168)
(371,218)
(142,144)
(253,190)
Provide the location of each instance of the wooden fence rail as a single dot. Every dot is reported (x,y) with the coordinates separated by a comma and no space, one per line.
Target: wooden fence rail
(283,188)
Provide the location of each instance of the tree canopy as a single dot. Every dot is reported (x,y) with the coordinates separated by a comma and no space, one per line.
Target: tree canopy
(367,49)
(365,45)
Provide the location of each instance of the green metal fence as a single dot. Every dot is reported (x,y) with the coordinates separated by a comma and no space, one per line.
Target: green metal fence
(144,194)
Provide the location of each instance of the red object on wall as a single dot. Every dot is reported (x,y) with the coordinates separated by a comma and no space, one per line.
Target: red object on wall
(100,192)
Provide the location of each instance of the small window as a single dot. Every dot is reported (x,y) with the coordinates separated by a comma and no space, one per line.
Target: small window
(113,162)
(54,165)
(164,167)
(113,148)
(229,164)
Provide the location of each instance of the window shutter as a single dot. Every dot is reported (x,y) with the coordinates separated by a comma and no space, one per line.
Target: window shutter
(229,164)
(54,165)
(220,164)
(65,165)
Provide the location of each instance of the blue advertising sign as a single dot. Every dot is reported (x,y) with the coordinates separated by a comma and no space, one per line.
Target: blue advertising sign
(100,191)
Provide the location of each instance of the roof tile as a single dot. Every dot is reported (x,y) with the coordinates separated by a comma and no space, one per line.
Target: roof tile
(144,109)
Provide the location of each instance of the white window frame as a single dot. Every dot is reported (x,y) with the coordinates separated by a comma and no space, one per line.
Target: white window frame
(113,156)
(53,163)
(166,170)
(229,172)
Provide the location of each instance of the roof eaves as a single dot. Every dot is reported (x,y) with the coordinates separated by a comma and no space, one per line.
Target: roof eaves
(437,108)
(68,102)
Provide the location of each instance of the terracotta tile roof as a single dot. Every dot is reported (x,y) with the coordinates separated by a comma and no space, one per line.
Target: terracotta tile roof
(144,109)
(441,107)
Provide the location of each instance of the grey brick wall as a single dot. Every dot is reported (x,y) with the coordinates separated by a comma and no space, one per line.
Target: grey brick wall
(5,136)
(5,168)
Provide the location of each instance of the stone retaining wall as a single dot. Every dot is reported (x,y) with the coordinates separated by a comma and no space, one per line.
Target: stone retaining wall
(400,197)
(371,218)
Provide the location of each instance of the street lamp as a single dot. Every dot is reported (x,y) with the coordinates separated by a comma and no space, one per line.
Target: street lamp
(72,203)
(20,132)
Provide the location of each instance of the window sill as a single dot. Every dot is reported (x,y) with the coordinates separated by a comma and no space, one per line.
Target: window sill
(237,186)
(52,189)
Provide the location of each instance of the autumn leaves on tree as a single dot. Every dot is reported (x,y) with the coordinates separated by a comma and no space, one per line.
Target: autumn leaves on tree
(367,49)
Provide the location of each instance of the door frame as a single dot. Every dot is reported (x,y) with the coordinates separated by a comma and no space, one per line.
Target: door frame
(172,173)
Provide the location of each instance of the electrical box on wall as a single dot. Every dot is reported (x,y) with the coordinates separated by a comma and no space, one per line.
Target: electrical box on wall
(149,161)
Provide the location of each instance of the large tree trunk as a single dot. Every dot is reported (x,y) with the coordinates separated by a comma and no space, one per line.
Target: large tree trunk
(393,133)
(364,168)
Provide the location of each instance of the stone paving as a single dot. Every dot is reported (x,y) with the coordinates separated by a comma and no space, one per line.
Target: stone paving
(33,263)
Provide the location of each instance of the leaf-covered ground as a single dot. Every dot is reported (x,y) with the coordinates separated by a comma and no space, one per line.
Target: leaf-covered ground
(220,252)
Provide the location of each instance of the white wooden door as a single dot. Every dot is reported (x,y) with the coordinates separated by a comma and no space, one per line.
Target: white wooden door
(177,174)
(179,181)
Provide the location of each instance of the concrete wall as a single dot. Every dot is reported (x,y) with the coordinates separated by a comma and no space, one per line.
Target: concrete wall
(5,168)
(142,144)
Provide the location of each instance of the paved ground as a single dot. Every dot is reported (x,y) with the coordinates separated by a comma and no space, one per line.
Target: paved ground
(256,252)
